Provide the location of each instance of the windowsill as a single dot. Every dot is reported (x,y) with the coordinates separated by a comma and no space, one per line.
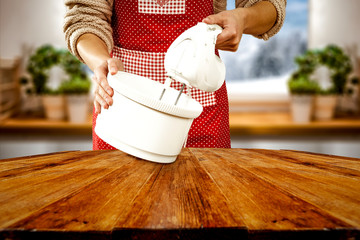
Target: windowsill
(241,124)
(259,103)
(264,95)
(280,123)
(42,126)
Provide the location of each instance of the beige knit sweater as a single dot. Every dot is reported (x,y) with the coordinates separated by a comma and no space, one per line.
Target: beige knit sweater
(94,16)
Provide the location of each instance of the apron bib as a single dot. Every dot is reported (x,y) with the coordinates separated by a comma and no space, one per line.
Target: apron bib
(142,31)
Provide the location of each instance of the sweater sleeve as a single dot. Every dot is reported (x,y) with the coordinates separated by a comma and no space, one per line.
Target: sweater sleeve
(87,16)
(279,5)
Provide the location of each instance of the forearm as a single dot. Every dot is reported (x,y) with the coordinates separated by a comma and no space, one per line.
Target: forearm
(258,18)
(87,16)
(92,50)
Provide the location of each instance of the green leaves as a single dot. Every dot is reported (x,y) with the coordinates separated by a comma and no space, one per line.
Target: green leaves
(75,86)
(46,57)
(302,85)
(333,58)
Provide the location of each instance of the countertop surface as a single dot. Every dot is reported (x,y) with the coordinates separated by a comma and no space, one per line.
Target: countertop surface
(204,194)
(242,124)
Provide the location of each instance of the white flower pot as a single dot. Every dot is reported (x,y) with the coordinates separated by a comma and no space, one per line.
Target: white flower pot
(78,107)
(32,103)
(324,107)
(301,108)
(54,107)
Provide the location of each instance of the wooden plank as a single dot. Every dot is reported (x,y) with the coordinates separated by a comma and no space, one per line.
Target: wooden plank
(206,193)
(24,165)
(181,196)
(32,157)
(44,127)
(344,163)
(340,176)
(261,203)
(312,184)
(243,124)
(300,160)
(50,178)
(96,206)
(58,162)
(281,124)
(8,86)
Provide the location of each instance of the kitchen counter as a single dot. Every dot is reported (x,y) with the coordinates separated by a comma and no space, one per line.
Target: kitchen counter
(205,194)
(39,126)
(243,124)
(280,123)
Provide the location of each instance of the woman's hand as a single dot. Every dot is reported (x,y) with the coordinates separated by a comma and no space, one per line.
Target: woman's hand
(232,23)
(103,91)
(255,20)
(94,53)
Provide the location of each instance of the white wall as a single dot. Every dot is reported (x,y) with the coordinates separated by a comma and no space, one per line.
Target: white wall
(29,24)
(334,21)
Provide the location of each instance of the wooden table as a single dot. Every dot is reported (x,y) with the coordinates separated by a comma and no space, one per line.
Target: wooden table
(205,194)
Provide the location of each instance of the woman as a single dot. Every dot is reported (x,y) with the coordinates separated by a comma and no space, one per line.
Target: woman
(133,36)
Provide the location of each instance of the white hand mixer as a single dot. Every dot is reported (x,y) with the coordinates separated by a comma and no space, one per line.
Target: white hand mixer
(191,60)
(139,123)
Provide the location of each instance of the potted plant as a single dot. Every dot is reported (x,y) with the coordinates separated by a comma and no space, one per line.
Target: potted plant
(324,104)
(39,65)
(302,90)
(54,104)
(76,92)
(338,64)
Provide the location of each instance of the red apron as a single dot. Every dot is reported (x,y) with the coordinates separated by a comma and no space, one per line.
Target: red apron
(143,30)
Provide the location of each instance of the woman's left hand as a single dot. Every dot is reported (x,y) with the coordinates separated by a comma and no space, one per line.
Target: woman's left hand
(232,22)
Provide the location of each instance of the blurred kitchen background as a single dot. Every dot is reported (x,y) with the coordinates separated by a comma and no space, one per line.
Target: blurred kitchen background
(277,88)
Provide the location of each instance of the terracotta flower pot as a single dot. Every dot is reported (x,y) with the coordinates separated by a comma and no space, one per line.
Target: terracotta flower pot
(54,106)
(324,107)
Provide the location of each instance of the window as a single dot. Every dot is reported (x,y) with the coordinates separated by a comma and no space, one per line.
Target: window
(258,71)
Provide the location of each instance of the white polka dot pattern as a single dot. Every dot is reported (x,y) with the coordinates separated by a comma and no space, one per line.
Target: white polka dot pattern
(162,7)
(154,32)
(211,128)
(151,65)
(141,40)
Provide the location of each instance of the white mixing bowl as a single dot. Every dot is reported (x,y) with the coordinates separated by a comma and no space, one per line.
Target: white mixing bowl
(140,124)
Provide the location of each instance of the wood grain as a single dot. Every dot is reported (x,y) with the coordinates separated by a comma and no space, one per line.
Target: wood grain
(206,193)
(266,206)
(183,196)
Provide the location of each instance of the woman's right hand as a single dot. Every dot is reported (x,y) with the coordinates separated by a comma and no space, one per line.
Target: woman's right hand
(103,91)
